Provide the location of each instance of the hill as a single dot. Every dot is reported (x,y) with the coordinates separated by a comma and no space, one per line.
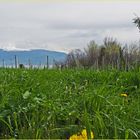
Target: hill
(35,57)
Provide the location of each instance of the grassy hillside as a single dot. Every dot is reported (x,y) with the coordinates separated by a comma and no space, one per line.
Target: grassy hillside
(58,104)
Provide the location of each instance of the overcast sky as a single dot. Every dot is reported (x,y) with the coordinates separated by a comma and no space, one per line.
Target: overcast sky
(63,26)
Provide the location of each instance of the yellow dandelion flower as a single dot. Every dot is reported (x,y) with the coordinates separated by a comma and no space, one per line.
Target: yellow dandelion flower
(73,137)
(76,137)
(124,95)
(84,133)
(82,136)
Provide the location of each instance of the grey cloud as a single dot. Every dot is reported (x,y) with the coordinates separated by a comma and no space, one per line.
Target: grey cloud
(66,26)
(71,25)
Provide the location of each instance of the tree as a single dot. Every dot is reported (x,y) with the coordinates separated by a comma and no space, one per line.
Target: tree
(137,22)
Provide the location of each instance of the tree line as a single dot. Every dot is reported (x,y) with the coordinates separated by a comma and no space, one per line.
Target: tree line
(110,55)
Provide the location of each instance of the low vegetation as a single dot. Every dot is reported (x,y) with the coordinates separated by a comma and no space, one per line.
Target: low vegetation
(62,104)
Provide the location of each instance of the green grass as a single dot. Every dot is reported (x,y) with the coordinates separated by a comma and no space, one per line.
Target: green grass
(57,104)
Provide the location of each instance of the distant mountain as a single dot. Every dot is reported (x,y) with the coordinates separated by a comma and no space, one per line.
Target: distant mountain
(35,57)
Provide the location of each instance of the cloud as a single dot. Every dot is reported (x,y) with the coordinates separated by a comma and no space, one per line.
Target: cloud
(11,47)
(66,26)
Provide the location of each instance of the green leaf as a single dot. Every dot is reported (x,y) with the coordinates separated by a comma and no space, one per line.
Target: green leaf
(26,95)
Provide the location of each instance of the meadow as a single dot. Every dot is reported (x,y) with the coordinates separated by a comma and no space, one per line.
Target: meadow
(55,104)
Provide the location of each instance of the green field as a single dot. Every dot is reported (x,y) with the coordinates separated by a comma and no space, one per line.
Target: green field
(57,104)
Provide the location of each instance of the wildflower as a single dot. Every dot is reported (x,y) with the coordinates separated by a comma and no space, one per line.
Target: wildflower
(82,136)
(76,137)
(124,95)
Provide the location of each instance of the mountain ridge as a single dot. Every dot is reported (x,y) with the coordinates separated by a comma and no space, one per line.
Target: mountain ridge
(35,56)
